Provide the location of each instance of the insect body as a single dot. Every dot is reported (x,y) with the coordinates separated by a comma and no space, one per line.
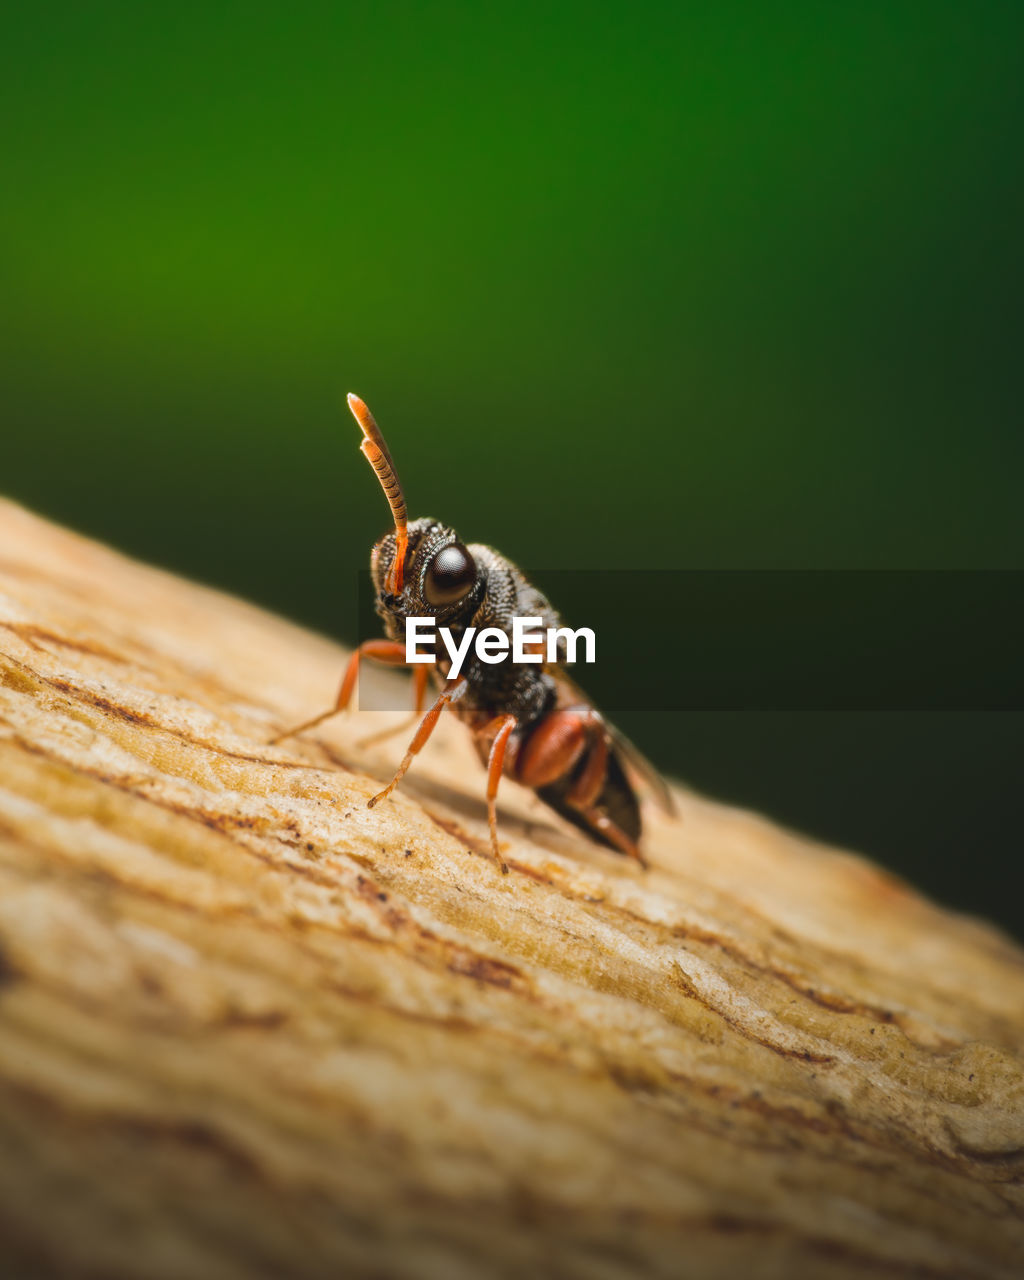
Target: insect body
(528,720)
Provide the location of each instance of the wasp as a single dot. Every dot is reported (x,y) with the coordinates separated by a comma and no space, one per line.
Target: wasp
(529,721)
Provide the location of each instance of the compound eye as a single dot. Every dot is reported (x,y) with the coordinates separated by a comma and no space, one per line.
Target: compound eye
(451,575)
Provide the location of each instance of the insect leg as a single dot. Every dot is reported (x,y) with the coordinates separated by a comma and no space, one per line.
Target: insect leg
(389,652)
(495,764)
(421,675)
(601,822)
(451,693)
(586,790)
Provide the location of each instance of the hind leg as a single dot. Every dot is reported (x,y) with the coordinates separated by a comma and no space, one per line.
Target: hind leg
(388,652)
(554,748)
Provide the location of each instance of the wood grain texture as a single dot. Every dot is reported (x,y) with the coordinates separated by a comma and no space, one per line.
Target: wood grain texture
(250,1028)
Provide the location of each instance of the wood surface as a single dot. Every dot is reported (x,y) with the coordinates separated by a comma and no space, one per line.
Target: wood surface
(250,1028)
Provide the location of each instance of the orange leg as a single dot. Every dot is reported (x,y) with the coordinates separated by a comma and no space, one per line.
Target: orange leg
(585,791)
(451,693)
(601,822)
(419,683)
(420,676)
(495,764)
(389,652)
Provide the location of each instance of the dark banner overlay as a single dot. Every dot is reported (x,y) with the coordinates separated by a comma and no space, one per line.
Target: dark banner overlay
(845,640)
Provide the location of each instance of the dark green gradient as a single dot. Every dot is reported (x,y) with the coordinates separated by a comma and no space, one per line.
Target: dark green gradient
(690,286)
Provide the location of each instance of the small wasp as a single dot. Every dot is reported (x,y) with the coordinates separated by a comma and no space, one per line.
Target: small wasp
(528,721)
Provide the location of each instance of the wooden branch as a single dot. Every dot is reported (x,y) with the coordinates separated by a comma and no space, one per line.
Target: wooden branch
(250,1028)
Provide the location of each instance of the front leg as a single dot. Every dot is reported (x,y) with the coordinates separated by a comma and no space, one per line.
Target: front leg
(389,652)
(451,693)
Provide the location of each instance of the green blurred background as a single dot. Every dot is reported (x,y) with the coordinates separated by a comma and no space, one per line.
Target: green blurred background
(695,286)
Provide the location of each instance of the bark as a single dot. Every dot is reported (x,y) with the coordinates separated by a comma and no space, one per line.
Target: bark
(249,1027)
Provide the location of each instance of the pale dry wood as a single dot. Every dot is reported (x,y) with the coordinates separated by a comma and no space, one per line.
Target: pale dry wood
(250,1028)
